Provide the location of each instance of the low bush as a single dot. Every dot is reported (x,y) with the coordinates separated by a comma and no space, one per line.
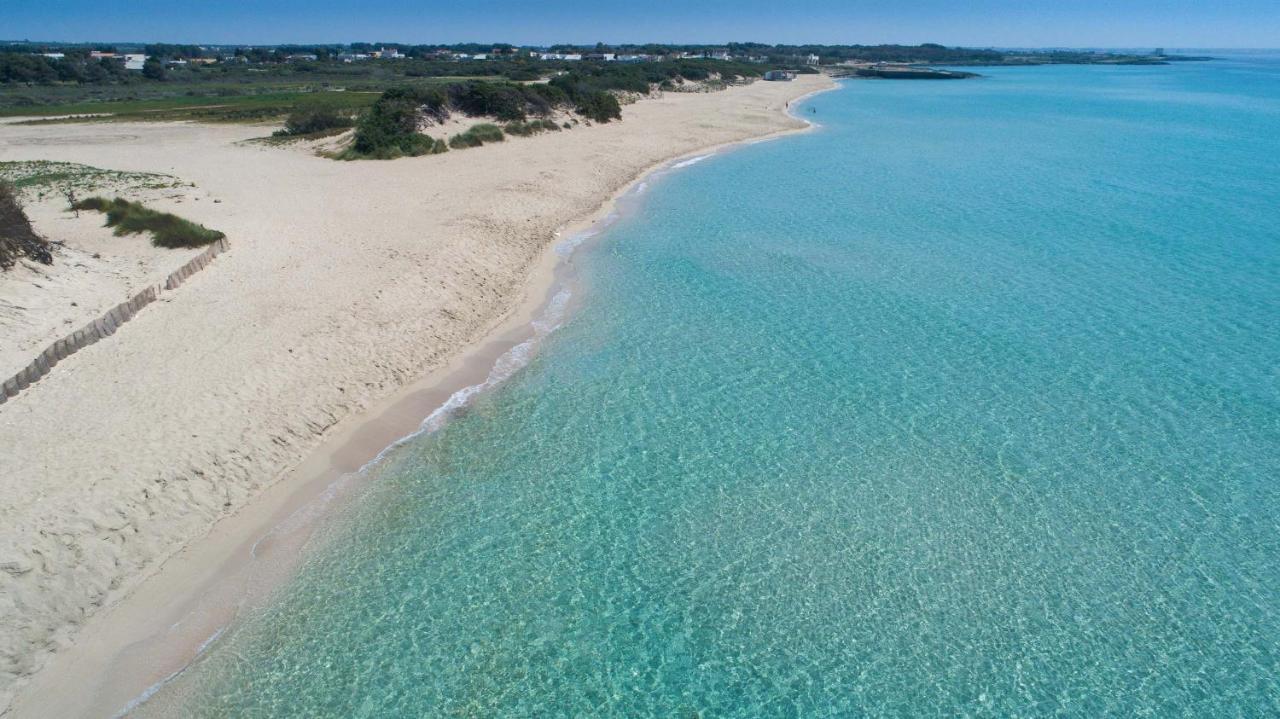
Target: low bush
(17,239)
(476,136)
(389,129)
(310,122)
(600,106)
(133,218)
(503,101)
(530,127)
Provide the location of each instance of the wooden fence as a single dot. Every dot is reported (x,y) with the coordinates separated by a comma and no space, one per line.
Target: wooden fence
(104,326)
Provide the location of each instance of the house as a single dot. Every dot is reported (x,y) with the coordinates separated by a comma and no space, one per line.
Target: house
(718,55)
(601,56)
(302,57)
(134,61)
(572,56)
(96,55)
(53,55)
(780,75)
(811,59)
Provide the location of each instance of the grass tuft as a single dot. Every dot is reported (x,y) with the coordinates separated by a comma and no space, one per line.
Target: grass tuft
(134,218)
(477,136)
(531,127)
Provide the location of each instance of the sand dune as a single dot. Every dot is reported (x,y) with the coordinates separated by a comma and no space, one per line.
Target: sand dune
(345,282)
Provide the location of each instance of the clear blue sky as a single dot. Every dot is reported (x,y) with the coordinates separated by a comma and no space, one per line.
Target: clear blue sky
(1020,23)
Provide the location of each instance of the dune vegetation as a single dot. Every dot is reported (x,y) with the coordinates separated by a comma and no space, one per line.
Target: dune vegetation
(17,239)
(166,230)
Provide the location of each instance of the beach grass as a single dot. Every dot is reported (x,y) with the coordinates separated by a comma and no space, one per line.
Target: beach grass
(530,127)
(477,136)
(166,230)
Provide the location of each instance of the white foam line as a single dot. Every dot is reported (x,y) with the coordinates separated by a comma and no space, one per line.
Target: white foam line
(151,690)
(507,365)
(690,161)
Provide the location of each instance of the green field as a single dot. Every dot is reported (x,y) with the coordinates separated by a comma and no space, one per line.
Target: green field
(204,102)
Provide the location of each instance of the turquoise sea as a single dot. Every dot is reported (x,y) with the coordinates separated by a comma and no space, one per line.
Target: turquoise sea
(966,404)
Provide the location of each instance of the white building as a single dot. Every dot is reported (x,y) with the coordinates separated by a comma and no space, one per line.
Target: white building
(811,60)
(134,61)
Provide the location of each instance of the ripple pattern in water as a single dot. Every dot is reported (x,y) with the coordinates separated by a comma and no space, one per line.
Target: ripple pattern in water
(968,404)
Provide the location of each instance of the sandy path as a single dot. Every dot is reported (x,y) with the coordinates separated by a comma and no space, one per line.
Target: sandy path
(345,282)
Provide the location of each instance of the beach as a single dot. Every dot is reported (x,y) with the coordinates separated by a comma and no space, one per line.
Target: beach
(351,290)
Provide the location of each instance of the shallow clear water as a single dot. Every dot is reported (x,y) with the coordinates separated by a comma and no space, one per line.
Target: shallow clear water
(967,404)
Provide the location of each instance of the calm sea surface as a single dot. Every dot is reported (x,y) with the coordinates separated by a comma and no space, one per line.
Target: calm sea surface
(966,404)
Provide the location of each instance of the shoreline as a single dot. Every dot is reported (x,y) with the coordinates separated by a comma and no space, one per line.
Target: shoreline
(130,649)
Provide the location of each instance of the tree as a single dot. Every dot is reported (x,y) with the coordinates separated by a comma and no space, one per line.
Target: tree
(153,69)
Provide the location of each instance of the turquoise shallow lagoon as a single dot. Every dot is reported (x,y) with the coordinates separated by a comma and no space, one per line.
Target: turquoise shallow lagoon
(966,404)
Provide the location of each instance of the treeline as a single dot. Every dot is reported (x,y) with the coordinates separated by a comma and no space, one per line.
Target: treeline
(74,67)
(640,77)
(929,53)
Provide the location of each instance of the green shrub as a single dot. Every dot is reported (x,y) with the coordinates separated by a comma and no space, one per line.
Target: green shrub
(504,101)
(530,127)
(476,136)
(308,122)
(389,129)
(462,141)
(133,218)
(521,129)
(600,106)
(487,132)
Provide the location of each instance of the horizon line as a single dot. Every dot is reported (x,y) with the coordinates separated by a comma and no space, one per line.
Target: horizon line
(607,44)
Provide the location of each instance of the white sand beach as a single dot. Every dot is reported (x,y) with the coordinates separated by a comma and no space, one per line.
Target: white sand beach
(346,283)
